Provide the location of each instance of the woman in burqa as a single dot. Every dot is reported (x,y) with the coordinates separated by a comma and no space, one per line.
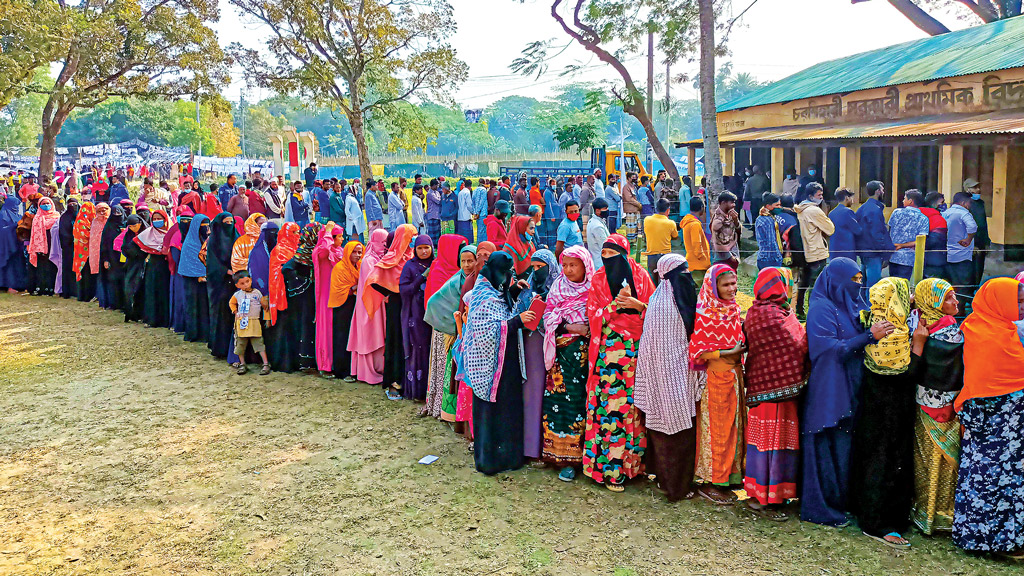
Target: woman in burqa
(384,281)
(219,286)
(111,269)
(282,350)
(329,251)
(415,332)
(66,236)
(259,258)
(545,271)
(193,274)
(367,339)
(342,301)
(298,279)
(494,367)
(42,272)
(95,239)
(134,267)
(156,303)
(13,272)
(173,242)
(83,278)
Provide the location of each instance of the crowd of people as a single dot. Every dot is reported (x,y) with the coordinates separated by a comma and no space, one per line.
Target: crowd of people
(519,314)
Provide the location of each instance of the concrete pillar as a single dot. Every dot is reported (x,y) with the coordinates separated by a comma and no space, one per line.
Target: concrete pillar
(691,162)
(849,170)
(1006,225)
(278,144)
(951,170)
(894,185)
(728,159)
(777,170)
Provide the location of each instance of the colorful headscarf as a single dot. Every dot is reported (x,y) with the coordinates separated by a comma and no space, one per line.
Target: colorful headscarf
(777,366)
(189,264)
(344,276)
(774,284)
(443,304)
(929,294)
(567,300)
(96,235)
(516,245)
(993,353)
(41,224)
(151,240)
(244,244)
(890,300)
(446,264)
(389,268)
(83,223)
(717,325)
(485,335)
(287,244)
(310,235)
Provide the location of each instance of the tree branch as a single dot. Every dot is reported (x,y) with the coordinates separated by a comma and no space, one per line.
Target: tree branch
(918,17)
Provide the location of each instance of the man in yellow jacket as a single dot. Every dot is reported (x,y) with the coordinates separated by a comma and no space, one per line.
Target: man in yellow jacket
(815,228)
(698,250)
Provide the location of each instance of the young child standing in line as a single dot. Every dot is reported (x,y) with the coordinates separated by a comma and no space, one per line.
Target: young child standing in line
(246,304)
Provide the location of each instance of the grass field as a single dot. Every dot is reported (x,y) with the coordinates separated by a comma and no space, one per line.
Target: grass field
(124,450)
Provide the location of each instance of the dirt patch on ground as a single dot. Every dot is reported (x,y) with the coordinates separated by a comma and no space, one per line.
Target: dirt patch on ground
(125,450)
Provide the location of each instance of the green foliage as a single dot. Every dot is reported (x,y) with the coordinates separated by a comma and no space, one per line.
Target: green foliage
(31,33)
(583,135)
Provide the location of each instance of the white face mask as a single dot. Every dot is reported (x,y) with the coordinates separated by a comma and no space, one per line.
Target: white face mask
(816,201)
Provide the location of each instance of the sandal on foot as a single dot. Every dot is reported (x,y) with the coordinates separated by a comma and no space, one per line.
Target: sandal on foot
(326,375)
(715,497)
(265,370)
(891,543)
(617,488)
(568,474)
(242,369)
(767,512)
(469,448)
(350,379)
(234,365)
(392,395)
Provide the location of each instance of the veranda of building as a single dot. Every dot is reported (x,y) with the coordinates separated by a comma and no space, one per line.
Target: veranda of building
(925,114)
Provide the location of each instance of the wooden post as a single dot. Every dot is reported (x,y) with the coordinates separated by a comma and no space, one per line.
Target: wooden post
(849,170)
(777,170)
(951,170)
(728,160)
(691,163)
(894,189)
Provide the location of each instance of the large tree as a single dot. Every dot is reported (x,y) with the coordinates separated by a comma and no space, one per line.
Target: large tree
(708,109)
(920,12)
(144,48)
(614,30)
(30,37)
(360,57)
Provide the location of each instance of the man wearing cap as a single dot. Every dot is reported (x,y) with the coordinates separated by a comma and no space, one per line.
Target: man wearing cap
(981,239)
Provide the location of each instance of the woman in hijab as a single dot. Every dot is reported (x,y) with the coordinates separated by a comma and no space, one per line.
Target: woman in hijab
(836,339)
(134,268)
(385,296)
(717,348)
(219,284)
(66,237)
(495,224)
(937,368)
(615,439)
(245,243)
(990,489)
(82,274)
(95,240)
(483,252)
(520,244)
(172,245)
(774,375)
(342,301)
(445,266)
(283,314)
(259,258)
(42,272)
(494,367)
(883,444)
(666,390)
(415,332)
(440,314)
(366,341)
(13,273)
(156,305)
(545,272)
(193,274)
(464,399)
(298,277)
(111,269)
(566,339)
(328,252)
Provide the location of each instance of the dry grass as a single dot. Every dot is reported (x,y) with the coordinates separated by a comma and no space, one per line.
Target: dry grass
(124,450)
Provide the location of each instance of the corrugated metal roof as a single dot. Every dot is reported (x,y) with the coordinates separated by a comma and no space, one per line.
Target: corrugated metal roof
(995,46)
(1006,122)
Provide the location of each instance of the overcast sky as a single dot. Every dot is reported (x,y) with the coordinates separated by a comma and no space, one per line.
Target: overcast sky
(774,39)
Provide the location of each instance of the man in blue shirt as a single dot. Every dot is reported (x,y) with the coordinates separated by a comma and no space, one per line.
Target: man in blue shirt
(449,209)
(873,244)
(767,233)
(480,210)
(118,191)
(464,221)
(374,213)
(843,244)
(309,175)
(568,229)
(396,208)
(434,211)
(553,213)
(614,199)
(226,191)
(905,225)
(960,246)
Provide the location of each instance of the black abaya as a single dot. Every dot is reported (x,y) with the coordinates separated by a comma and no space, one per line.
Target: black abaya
(219,286)
(156,304)
(498,425)
(65,232)
(291,342)
(134,278)
(342,325)
(394,349)
(197,311)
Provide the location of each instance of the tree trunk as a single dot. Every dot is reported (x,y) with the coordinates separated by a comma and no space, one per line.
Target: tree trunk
(918,17)
(636,110)
(53,121)
(708,116)
(362,152)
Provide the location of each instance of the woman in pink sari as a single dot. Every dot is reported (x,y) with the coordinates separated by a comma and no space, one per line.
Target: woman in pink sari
(366,340)
(328,252)
(383,298)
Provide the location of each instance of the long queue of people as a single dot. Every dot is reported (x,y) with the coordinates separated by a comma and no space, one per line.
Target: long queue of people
(885,411)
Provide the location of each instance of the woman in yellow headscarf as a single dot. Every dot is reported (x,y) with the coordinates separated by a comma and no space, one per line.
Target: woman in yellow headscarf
(937,368)
(884,438)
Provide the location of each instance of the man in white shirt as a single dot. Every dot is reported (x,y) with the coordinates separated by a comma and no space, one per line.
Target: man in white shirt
(464,219)
(597,231)
(417,214)
(272,198)
(355,224)
(598,184)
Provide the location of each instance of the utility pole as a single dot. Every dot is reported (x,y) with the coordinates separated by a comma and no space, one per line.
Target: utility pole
(241,110)
(650,90)
(668,104)
(198,125)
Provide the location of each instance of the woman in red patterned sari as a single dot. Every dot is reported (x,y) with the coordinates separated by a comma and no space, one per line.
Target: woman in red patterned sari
(614,440)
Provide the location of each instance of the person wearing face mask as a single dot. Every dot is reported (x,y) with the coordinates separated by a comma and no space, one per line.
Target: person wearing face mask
(568,229)
(754,188)
(981,238)
(111,269)
(520,243)
(134,269)
(812,176)
(660,231)
(42,272)
(790,186)
(766,231)
(843,243)
(156,301)
(873,245)
(597,231)
(815,227)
